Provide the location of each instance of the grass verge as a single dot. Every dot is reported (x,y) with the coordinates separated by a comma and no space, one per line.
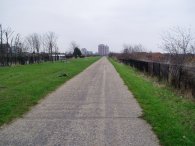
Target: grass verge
(23,86)
(172,117)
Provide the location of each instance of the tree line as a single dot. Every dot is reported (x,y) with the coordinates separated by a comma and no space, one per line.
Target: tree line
(177,43)
(34,48)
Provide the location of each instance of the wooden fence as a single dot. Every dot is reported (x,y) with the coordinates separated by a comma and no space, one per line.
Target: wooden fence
(181,77)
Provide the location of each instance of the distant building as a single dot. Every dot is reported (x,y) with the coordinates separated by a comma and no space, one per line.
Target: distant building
(16,50)
(59,56)
(103,50)
(4,49)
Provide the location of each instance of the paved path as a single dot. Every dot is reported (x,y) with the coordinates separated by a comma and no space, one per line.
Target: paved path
(92,109)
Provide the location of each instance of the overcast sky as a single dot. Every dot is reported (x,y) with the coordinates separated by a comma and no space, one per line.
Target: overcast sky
(91,22)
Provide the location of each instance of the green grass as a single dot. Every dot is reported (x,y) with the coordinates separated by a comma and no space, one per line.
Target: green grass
(23,86)
(172,117)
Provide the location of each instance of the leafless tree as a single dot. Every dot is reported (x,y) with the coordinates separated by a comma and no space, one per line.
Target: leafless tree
(8,34)
(193,49)
(178,42)
(133,48)
(127,49)
(139,48)
(17,40)
(18,46)
(8,37)
(9,43)
(56,49)
(1,35)
(37,42)
(44,43)
(50,42)
(1,43)
(33,43)
(133,51)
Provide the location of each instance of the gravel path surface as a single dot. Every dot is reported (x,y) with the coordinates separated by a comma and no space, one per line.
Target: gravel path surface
(94,108)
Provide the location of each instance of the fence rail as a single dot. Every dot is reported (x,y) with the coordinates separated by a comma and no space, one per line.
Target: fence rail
(181,77)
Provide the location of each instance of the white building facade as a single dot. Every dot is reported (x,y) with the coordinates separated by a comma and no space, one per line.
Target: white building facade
(103,50)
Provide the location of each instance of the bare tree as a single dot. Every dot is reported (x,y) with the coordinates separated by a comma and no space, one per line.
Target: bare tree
(133,51)
(1,35)
(50,41)
(37,45)
(178,43)
(193,49)
(133,48)
(37,42)
(56,49)
(8,34)
(17,40)
(127,49)
(18,46)
(33,43)
(1,44)
(139,48)
(10,44)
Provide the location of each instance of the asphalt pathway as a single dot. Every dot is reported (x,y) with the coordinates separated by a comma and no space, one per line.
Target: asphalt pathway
(94,108)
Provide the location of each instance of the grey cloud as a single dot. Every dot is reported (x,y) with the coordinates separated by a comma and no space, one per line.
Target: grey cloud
(90,22)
